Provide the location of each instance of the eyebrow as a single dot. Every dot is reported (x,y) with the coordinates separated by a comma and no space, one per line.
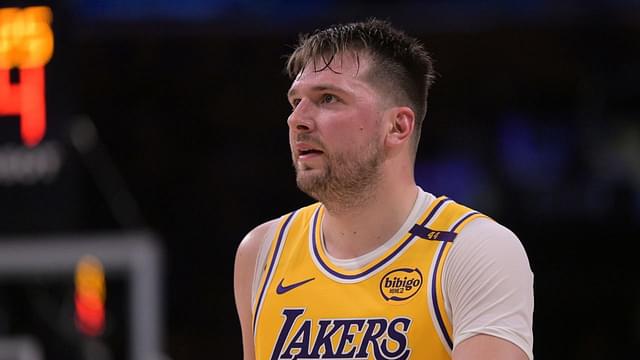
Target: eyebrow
(318,88)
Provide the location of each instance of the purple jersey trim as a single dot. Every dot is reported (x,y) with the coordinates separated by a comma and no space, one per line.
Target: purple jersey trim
(434,297)
(446,236)
(428,234)
(276,250)
(462,220)
(435,209)
(375,267)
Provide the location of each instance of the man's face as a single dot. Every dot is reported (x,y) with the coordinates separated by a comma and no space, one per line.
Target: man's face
(335,130)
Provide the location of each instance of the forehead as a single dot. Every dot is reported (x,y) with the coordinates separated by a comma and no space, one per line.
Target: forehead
(346,71)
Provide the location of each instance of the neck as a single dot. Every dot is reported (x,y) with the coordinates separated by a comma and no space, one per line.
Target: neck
(353,231)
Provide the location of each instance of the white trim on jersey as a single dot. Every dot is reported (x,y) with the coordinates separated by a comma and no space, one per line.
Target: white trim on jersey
(274,260)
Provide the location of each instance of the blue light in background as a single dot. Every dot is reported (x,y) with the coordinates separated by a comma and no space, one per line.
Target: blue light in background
(279,10)
(534,156)
(460,177)
(195,10)
(150,9)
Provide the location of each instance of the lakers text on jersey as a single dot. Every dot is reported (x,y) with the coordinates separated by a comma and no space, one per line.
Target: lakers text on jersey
(389,307)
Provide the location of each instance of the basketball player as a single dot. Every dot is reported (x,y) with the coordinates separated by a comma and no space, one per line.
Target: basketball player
(378,268)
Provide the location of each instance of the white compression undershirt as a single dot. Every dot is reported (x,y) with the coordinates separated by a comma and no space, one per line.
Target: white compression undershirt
(488,285)
(487,281)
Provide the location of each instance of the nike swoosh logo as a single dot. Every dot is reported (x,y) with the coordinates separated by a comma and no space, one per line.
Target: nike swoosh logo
(281,289)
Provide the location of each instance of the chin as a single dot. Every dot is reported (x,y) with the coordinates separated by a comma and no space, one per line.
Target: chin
(310,184)
(305,180)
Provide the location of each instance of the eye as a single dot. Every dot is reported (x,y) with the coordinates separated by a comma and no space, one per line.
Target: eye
(294,103)
(328,98)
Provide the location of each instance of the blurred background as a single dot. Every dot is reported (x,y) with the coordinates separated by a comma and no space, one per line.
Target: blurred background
(166,142)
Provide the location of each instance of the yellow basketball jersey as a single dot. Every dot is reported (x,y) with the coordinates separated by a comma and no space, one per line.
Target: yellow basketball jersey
(391,308)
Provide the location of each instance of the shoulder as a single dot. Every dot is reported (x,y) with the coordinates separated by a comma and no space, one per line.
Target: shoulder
(250,246)
(486,237)
(486,247)
(256,242)
(246,263)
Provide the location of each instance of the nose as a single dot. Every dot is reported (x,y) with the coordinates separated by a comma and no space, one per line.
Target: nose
(301,118)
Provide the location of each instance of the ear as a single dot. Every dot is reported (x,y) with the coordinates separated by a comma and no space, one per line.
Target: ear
(401,123)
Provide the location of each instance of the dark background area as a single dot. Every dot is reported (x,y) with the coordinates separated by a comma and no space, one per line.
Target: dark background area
(534,119)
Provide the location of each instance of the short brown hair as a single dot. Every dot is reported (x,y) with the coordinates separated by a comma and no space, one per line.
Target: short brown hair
(401,65)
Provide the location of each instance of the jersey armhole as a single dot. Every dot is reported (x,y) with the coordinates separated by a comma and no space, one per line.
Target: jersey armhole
(261,260)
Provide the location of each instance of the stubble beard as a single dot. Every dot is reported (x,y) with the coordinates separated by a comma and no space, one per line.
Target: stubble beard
(348,180)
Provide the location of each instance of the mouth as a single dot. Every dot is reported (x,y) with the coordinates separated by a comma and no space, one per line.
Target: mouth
(306,153)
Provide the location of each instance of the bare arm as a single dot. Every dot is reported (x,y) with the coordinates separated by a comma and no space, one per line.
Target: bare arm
(244,270)
(487,347)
